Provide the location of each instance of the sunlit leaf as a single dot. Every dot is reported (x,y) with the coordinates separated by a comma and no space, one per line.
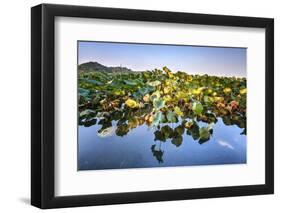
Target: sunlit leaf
(154,83)
(197,108)
(227,90)
(155,95)
(243,91)
(207,99)
(146,98)
(182,95)
(168,72)
(167,98)
(131,103)
(178,111)
(167,90)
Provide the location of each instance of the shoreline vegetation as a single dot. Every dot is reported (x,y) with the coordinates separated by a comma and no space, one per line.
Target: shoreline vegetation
(172,103)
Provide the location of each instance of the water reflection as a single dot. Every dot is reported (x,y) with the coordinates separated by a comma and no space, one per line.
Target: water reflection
(117,143)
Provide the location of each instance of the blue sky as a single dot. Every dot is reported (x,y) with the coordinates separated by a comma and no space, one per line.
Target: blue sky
(191,59)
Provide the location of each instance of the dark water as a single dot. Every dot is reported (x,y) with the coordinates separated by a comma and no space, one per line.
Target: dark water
(138,149)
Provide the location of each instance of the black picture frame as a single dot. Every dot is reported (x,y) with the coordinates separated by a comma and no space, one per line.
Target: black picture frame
(43,111)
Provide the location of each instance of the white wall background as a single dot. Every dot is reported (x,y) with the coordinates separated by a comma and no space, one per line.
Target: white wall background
(15,105)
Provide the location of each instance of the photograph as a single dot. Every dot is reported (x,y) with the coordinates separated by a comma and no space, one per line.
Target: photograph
(143,105)
(139,105)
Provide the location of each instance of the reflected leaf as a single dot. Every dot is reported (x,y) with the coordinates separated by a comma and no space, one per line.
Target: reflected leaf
(244,132)
(158,154)
(159,135)
(204,133)
(179,130)
(177,141)
(89,122)
(122,130)
(194,131)
(133,123)
(106,132)
(167,131)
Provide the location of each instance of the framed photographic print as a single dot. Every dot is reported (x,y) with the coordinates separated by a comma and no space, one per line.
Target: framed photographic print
(139,106)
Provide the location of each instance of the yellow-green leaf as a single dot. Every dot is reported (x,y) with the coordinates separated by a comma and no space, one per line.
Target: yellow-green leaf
(131,103)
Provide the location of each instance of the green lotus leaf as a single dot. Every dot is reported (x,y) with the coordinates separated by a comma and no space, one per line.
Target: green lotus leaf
(155,95)
(197,107)
(87,112)
(207,99)
(178,111)
(158,103)
(143,90)
(157,118)
(171,117)
(154,83)
(83,92)
(130,82)
(95,82)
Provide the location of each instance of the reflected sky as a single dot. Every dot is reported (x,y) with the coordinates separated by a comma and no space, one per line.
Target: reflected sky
(138,149)
(220,61)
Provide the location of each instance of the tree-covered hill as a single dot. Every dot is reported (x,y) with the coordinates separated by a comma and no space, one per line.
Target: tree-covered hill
(95,66)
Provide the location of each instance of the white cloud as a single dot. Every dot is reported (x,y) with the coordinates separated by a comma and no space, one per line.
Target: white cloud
(225,144)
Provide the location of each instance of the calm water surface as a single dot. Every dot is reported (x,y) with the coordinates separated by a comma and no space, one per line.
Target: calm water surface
(138,149)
